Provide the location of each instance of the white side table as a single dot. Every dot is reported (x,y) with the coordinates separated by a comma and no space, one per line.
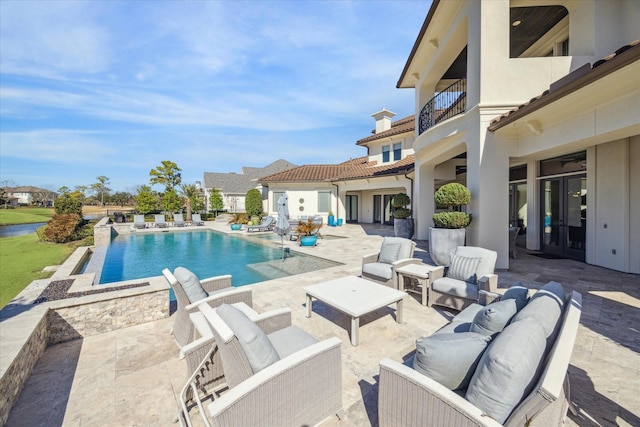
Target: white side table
(420,273)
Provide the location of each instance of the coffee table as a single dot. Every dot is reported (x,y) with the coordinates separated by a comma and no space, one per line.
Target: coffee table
(356,297)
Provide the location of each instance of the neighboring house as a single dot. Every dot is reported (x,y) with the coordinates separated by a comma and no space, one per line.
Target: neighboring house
(540,103)
(358,190)
(233,187)
(28,195)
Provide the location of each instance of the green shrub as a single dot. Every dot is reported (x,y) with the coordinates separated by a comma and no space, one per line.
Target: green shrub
(451,219)
(62,228)
(253,202)
(399,203)
(451,196)
(66,204)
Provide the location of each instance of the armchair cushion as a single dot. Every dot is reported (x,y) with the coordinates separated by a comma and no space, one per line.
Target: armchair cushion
(519,293)
(378,269)
(506,371)
(289,340)
(450,358)
(389,252)
(255,343)
(494,317)
(190,283)
(463,268)
(455,287)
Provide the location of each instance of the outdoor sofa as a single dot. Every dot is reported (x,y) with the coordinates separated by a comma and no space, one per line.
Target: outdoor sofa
(473,373)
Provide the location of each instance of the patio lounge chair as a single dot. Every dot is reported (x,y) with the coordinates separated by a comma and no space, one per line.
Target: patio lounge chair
(196,220)
(278,375)
(470,272)
(266,224)
(138,222)
(160,221)
(394,252)
(178,220)
(190,292)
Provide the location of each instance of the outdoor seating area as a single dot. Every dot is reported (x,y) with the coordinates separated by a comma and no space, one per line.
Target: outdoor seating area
(313,357)
(160,221)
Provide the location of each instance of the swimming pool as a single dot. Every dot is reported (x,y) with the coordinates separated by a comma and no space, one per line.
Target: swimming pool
(205,252)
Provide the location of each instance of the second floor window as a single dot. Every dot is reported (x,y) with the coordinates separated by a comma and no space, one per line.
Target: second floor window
(385,154)
(397,151)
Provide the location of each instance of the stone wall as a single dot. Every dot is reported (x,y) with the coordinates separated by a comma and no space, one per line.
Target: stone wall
(102,232)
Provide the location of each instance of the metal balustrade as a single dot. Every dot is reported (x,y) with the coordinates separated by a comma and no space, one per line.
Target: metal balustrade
(446,104)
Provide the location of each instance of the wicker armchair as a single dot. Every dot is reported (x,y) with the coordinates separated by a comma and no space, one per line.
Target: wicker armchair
(219,291)
(303,387)
(381,266)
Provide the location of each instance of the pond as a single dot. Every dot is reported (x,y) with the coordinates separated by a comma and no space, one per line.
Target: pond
(19,229)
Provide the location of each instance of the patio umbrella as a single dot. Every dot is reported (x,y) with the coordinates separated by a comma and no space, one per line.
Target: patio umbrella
(282,224)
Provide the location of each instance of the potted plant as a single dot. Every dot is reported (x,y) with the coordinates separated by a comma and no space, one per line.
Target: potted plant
(234,222)
(402,221)
(331,219)
(308,231)
(449,229)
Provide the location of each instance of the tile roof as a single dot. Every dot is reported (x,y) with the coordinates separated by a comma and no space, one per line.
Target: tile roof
(352,169)
(573,81)
(240,183)
(399,126)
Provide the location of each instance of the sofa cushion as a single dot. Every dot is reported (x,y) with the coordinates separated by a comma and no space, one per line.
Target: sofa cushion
(389,252)
(447,285)
(255,343)
(450,358)
(190,283)
(494,317)
(519,293)
(289,340)
(545,307)
(507,370)
(378,269)
(463,268)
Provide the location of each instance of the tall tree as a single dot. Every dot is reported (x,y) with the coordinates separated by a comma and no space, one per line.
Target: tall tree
(193,196)
(170,201)
(100,187)
(146,200)
(167,174)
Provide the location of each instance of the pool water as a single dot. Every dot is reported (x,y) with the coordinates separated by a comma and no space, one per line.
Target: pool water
(207,253)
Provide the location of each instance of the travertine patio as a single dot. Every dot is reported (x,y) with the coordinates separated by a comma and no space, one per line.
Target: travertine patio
(132,376)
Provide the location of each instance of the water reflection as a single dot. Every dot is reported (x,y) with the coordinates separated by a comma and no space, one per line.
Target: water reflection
(19,229)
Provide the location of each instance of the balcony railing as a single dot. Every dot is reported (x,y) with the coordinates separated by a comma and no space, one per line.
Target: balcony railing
(446,104)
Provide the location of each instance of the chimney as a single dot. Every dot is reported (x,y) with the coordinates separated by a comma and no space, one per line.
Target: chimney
(383,119)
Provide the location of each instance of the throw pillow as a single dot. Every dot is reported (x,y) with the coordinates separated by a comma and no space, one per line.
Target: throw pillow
(519,293)
(463,268)
(389,253)
(190,284)
(494,317)
(450,358)
(508,369)
(255,343)
(545,306)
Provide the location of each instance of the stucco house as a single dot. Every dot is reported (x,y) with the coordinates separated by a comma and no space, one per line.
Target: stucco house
(233,187)
(357,190)
(537,105)
(27,195)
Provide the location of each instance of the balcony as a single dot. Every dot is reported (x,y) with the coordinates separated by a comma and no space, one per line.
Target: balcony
(446,104)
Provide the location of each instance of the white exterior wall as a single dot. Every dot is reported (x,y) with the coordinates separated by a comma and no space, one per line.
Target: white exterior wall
(303,199)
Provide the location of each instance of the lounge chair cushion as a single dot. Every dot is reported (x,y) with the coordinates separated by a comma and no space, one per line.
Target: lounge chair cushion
(378,269)
(463,268)
(519,293)
(507,370)
(289,340)
(494,317)
(450,358)
(255,343)
(190,283)
(459,288)
(389,253)
(545,307)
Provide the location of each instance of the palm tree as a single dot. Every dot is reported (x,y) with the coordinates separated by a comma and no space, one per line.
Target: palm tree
(190,192)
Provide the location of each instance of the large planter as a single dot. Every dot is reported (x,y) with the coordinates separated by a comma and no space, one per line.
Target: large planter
(443,241)
(308,240)
(403,227)
(236,226)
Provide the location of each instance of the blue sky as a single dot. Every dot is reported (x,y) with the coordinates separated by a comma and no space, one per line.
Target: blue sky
(114,87)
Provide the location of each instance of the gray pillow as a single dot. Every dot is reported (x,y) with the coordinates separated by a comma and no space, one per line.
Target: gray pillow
(545,307)
(389,253)
(463,268)
(190,283)
(519,293)
(450,358)
(255,343)
(507,371)
(494,317)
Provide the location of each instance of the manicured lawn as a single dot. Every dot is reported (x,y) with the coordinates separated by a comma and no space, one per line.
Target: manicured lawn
(22,259)
(25,215)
